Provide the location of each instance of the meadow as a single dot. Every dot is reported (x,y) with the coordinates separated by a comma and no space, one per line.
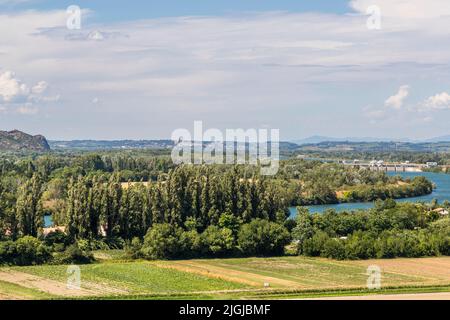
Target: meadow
(246,278)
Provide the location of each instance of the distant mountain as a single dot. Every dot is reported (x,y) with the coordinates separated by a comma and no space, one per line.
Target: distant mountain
(111,144)
(439,139)
(20,141)
(319,139)
(378,146)
(132,144)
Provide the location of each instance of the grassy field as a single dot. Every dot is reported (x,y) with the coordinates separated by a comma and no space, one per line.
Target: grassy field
(14,291)
(284,277)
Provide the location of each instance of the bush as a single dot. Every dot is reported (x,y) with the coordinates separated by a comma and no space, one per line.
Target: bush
(7,252)
(25,251)
(192,244)
(334,249)
(313,246)
(360,245)
(114,243)
(56,237)
(133,250)
(74,255)
(162,241)
(217,241)
(263,238)
(94,244)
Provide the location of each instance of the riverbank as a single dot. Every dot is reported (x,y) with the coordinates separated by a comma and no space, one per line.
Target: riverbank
(441,193)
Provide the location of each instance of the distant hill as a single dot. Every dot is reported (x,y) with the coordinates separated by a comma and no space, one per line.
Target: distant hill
(439,139)
(132,144)
(20,141)
(320,139)
(111,144)
(364,147)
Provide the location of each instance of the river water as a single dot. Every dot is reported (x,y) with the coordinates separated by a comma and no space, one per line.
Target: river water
(441,193)
(48,222)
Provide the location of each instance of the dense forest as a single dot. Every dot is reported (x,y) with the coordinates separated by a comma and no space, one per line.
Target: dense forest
(141,202)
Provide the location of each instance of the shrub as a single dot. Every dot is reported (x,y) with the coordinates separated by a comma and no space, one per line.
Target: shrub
(133,249)
(192,244)
(334,248)
(313,246)
(73,254)
(25,251)
(7,252)
(94,244)
(114,243)
(217,241)
(162,241)
(262,237)
(56,237)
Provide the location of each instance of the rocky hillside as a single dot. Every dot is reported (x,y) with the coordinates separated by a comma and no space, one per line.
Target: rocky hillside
(19,141)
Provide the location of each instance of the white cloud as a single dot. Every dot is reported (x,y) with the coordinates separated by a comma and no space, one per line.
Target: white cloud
(27,110)
(11,88)
(396,101)
(40,87)
(437,102)
(419,112)
(18,95)
(405,8)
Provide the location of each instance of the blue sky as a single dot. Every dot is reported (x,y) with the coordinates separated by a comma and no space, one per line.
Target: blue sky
(116,10)
(147,68)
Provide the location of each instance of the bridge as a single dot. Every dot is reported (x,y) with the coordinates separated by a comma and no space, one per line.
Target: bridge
(380,165)
(388,166)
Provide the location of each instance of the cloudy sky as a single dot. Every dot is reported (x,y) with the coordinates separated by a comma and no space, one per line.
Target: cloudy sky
(142,69)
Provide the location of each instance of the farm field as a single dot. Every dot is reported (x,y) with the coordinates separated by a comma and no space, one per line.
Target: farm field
(287,277)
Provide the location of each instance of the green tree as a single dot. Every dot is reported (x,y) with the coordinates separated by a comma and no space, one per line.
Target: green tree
(29,212)
(262,237)
(162,241)
(218,241)
(304,228)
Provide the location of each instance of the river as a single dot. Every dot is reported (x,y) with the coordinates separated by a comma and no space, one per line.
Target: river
(48,222)
(441,193)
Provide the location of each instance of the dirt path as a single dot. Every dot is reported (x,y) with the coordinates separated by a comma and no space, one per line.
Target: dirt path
(409,296)
(228,274)
(54,287)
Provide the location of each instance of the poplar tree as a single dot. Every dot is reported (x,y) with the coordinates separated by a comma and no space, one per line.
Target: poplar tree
(111,205)
(78,209)
(29,212)
(158,204)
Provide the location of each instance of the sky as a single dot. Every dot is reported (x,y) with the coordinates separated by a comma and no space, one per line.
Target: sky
(142,69)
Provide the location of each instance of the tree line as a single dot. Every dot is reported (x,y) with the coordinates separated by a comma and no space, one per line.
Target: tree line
(204,210)
(389,230)
(189,195)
